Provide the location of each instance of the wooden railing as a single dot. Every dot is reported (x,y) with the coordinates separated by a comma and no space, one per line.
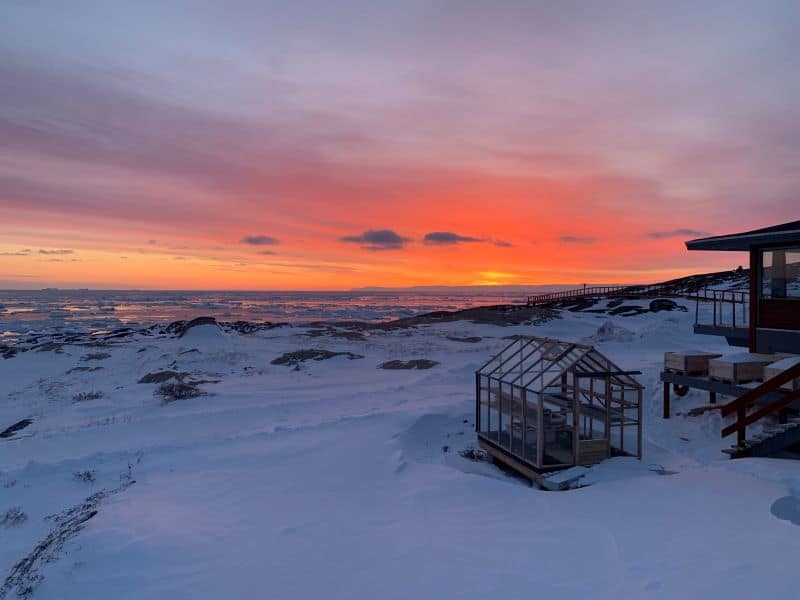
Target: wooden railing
(726,311)
(579,293)
(635,291)
(742,403)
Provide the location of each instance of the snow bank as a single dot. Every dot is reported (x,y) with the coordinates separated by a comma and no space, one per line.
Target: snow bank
(343,480)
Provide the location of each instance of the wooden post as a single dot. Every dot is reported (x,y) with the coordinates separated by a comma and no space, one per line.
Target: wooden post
(666,400)
(715,311)
(622,422)
(639,425)
(477,402)
(712,397)
(755,277)
(489,406)
(499,413)
(539,431)
(741,434)
(576,403)
(524,423)
(608,417)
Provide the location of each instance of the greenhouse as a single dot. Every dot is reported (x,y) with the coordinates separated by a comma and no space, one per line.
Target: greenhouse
(544,404)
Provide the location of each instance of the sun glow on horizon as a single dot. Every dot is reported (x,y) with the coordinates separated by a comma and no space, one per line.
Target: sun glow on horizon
(386,148)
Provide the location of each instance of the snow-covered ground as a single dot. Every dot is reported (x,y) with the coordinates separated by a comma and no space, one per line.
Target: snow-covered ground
(330,480)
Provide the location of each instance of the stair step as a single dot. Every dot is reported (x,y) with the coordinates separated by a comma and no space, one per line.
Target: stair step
(779,428)
(783,427)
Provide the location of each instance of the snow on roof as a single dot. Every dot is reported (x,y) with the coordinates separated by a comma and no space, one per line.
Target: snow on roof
(743,357)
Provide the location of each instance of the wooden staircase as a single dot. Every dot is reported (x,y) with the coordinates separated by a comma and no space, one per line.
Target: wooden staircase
(773,439)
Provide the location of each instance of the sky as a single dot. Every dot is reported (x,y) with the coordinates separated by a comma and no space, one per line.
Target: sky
(332,145)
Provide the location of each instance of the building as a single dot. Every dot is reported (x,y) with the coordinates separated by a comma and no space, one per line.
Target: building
(771,322)
(764,383)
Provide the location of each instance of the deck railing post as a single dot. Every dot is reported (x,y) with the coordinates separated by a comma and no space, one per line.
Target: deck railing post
(608,417)
(715,311)
(539,429)
(500,412)
(639,423)
(576,405)
(741,433)
(524,399)
(477,402)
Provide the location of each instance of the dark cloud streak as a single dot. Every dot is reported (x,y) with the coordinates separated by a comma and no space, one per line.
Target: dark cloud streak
(575,239)
(377,239)
(259,240)
(686,233)
(448,238)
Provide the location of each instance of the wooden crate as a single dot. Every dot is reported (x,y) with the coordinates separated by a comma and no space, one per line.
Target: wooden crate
(688,363)
(779,367)
(739,368)
(592,452)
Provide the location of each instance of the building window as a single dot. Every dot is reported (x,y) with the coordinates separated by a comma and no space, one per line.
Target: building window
(780,273)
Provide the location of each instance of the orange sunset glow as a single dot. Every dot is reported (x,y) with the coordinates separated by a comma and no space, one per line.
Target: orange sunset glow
(311,153)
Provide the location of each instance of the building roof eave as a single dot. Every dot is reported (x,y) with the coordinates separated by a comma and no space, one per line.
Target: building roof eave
(787,233)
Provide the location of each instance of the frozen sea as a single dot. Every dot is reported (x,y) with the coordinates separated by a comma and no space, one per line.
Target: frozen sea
(147,307)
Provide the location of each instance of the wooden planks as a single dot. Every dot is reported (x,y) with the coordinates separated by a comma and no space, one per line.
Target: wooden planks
(688,363)
(592,452)
(739,368)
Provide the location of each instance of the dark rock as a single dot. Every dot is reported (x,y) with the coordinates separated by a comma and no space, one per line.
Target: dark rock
(665,304)
(95,356)
(466,340)
(83,369)
(50,347)
(291,359)
(162,376)
(170,392)
(14,516)
(353,336)
(18,426)
(84,396)
(246,327)
(628,310)
(473,454)
(420,363)
(84,476)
